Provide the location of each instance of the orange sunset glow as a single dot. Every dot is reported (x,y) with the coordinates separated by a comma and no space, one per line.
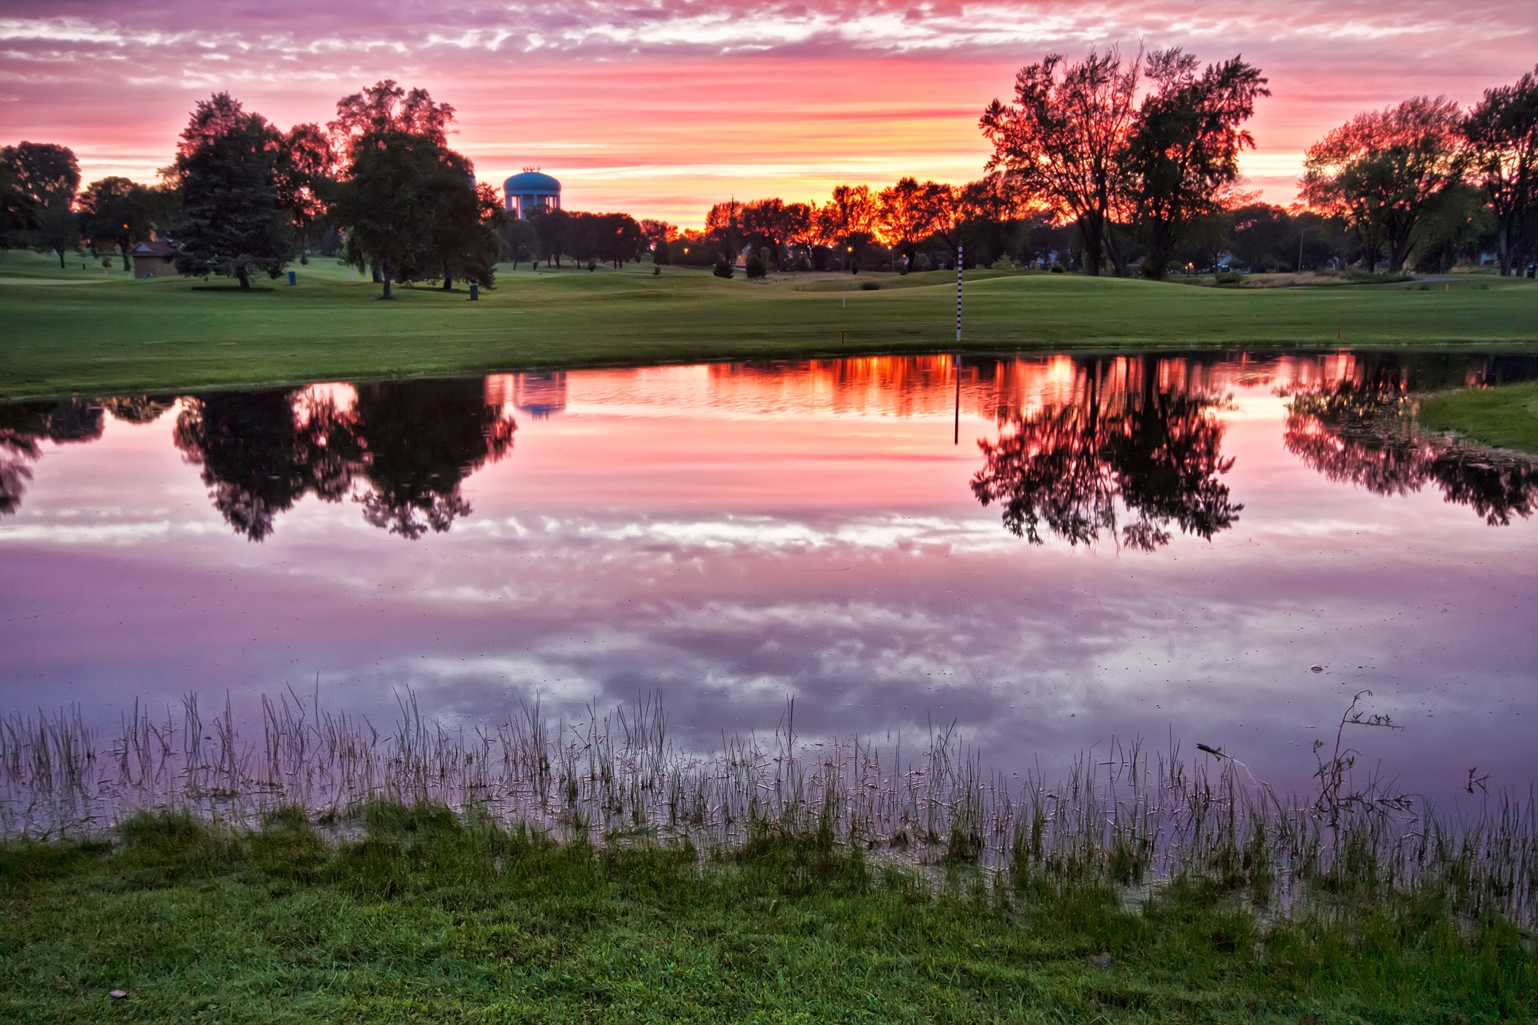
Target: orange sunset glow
(661,109)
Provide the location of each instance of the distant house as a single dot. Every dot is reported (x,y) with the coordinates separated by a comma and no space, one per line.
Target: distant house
(154,259)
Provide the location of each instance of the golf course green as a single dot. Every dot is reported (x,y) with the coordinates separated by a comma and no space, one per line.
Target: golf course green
(86,331)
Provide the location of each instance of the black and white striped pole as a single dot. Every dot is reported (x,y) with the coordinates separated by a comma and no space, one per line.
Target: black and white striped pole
(956,430)
(958,294)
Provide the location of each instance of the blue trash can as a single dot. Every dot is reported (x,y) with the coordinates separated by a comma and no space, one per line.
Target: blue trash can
(293,279)
(475,291)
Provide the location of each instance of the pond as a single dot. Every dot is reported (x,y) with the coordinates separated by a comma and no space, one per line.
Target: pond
(1049,552)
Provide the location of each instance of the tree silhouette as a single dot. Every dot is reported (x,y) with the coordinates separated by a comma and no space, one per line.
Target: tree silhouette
(23,425)
(417,441)
(1365,434)
(259,456)
(1157,454)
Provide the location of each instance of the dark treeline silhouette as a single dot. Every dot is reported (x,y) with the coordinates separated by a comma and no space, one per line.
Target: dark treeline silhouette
(1362,432)
(23,425)
(1129,449)
(588,238)
(402,451)
(378,184)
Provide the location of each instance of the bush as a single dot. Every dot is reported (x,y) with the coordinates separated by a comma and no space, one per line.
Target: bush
(1058,268)
(755,268)
(1229,277)
(723,269)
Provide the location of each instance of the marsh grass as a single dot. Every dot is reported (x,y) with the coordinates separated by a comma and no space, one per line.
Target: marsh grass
(616,779)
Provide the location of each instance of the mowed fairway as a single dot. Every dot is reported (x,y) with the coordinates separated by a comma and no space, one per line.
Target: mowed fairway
(79,331)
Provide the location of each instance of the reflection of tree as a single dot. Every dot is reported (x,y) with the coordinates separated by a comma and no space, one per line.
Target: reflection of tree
(259,457)
(417,442)
(23,425)
(1156,453)
(138,409)
(1363,434)
(411,443)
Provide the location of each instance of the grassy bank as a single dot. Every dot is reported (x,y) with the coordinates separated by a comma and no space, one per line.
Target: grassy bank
(420,916)
(1504,417)
(82,331)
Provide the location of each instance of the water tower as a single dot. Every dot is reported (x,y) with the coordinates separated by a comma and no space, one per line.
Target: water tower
(531,192)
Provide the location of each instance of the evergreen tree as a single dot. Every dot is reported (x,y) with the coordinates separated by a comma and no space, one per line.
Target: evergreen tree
(226,172)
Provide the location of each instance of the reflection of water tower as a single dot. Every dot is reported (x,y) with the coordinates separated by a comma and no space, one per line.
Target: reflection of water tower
(540,395)
(530,193)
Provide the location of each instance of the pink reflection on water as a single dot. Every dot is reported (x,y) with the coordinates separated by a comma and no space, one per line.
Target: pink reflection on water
(734,535)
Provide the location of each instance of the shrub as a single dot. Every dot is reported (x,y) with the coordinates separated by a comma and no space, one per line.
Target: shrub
(723,269)
(1058,268)
(755,268)
(1229,277)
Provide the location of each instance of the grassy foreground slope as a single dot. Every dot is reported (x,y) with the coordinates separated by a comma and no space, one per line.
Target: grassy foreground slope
(1504,417)
(80,331)
(427,919)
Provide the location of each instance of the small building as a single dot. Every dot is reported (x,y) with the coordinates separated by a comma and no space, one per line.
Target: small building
(154,259)
(531,192)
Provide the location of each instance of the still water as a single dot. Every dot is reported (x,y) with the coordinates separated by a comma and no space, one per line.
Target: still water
(1050,552)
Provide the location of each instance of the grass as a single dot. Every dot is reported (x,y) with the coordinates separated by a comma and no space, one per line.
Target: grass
(412,913)
(1503,417)
(590,871)
(80,331)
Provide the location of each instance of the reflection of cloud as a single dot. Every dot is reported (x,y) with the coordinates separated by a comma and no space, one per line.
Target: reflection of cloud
(736,560)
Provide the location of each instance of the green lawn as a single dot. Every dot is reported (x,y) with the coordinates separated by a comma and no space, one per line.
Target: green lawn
(423,919)
(82,331)
(1505,417)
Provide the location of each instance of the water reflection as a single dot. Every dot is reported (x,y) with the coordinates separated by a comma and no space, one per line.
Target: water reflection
(1362,431)
(410,444)
(24,424)
(736,535)
(1118,439)
(416,442)
(262,451)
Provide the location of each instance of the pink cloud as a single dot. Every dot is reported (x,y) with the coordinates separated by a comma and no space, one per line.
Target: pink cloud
(661,108)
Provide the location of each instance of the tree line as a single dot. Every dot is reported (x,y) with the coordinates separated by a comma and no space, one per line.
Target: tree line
(378,183)
(1110,165)
(1104,165)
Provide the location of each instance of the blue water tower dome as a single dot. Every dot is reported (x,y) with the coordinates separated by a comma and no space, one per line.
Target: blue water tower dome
(531,192)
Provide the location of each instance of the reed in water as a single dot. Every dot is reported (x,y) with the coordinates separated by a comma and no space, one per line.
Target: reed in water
(616,777)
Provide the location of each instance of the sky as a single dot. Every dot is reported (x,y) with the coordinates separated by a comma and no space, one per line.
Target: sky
(662,107)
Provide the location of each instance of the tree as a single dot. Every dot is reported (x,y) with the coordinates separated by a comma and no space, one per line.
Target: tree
(1183,153)
(306,169)
(550,227)
(909,212)
(1502,134)
(395,192)
(418,441)
(226,173)
(259,457)
(658,235)
(466,234)
(117,211)
(519,242)
(385,108)
(1258,236)
(15,205)
(44,177)
(1061,142)
(848,222)
(723,224)
(1382,169)
(411,204)
(1157,453)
